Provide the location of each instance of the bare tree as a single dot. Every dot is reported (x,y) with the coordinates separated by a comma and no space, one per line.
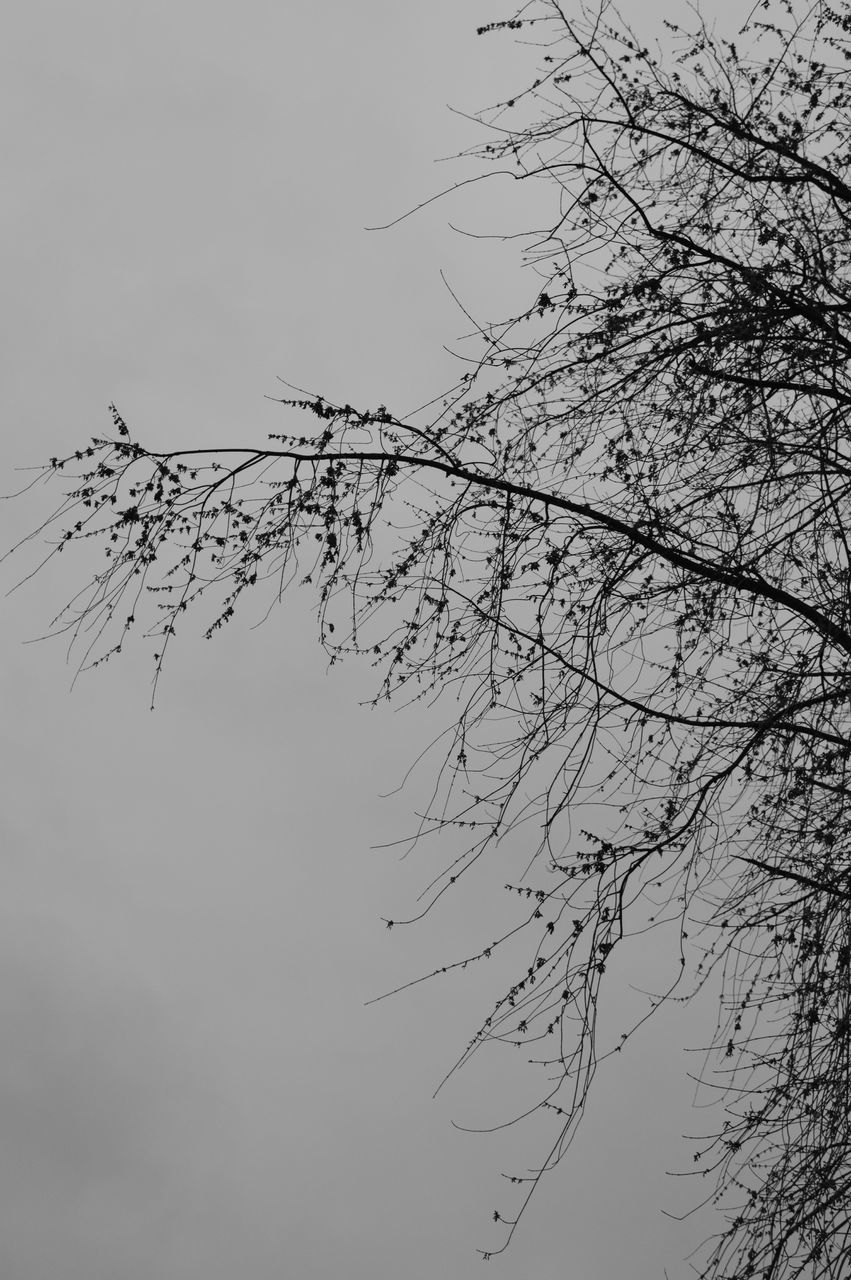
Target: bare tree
(622,545)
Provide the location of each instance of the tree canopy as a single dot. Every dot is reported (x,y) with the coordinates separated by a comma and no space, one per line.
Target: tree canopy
(618,552)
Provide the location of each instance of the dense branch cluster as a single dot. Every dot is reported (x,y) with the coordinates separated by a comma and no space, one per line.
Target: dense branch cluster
(622,546)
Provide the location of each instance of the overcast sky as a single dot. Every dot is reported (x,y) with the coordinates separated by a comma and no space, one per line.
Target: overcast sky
(191,1086)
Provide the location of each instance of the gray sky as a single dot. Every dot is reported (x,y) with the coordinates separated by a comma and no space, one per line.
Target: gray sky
(190,1085)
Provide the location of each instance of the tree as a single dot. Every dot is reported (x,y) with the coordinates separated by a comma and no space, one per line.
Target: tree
(622,543)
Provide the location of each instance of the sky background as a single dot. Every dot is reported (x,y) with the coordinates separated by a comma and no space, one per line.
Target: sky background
(191,1084)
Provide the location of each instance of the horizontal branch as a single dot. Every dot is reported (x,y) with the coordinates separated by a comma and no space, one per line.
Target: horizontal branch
(737,578)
